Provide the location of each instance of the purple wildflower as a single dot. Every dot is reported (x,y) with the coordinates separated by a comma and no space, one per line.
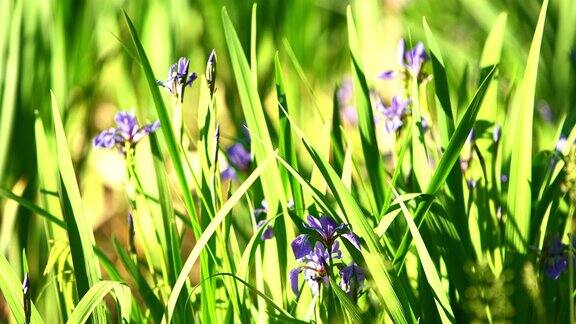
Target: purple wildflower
(553,257)
(394,113)
(504,178)
(412,60)
(127,132)
(352,277)
(315,267)
(471,183)
(178,77)
(239,157)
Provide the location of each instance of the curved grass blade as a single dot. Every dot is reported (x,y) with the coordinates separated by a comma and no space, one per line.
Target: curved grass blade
(449,158)
(432,276)
(351,310)
(375,166)
(207,234)
(80,236)
(32,207)
(517,222)
(96,295)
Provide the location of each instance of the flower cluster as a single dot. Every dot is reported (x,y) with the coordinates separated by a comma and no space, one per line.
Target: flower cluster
(317,261)
(126,134)
(178,78)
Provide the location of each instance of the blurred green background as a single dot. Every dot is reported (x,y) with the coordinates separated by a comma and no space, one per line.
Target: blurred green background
(81,51)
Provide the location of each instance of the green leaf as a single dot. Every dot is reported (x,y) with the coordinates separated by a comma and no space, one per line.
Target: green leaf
(80,236)
(449,158)
(375,166)
(517,222)
(96,295)
(352,310)
(32,207)
(430,271)
(207,234)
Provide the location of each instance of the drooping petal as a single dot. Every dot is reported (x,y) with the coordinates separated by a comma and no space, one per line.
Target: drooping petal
(293,275)
(301,246)
(351,237)
(106,139)
(193,76)
(145,130)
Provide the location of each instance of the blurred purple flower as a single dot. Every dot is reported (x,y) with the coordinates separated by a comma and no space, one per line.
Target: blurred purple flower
(504,178)
(239,157)
(545,112)
(411,59)
(351,279)
(315,267)
(127,132)
(553,257)
(394,113)
(268,231)
(178,76)
(228,174)
(471,183)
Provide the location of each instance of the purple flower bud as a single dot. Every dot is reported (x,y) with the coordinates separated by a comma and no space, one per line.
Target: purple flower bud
(545,112)
(27,298)
(211,72)
(504,178)
(471,183)
(131,233)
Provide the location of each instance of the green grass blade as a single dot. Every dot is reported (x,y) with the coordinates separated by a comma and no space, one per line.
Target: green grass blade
(32,207)
(10,82)
(174,148)
(351,310)
(517,223)
(96,295)
(207,234)
(80,236)
(430,271)
(375,167)
(449,158)
(11,289)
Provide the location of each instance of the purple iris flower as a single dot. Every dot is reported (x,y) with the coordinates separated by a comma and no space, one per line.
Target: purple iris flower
(394,113)
(327,231)
(268,231)
(315,267)
(553,257)
(126,134)
(239,157)
(178,76)
(351,279)
(412,60)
